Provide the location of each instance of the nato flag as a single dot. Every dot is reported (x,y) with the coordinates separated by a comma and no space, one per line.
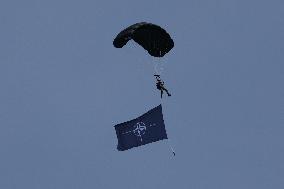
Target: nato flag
(145,129)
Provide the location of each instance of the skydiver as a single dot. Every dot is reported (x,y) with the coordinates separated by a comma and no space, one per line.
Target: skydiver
(160,85)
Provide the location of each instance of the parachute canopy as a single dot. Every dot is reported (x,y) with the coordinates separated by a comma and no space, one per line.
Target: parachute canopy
(151,37)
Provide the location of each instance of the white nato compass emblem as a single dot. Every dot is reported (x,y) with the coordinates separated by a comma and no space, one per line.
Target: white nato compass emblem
(139,129)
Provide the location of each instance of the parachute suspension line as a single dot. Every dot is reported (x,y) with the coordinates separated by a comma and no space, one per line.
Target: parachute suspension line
(173,151)
(157,69)
(158,66)
(156,61)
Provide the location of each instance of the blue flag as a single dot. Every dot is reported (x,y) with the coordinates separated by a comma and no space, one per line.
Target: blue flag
(145,129)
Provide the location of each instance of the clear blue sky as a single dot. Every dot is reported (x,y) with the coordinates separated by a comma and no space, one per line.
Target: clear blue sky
(63,86)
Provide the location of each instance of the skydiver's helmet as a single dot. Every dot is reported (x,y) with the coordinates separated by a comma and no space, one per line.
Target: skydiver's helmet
(157,76)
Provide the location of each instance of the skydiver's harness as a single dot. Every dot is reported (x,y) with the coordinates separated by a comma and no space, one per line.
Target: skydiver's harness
(160,83)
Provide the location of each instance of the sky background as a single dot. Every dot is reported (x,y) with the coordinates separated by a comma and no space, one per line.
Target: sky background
(63,86)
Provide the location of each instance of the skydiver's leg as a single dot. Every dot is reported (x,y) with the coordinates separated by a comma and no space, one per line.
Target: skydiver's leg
(167,92)
(161,93)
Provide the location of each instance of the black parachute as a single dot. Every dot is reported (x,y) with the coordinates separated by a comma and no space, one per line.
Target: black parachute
(151,37)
